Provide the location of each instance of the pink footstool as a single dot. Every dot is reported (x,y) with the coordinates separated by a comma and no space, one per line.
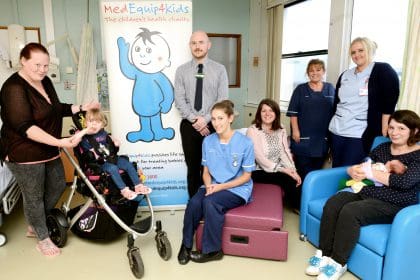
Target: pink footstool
(254,230)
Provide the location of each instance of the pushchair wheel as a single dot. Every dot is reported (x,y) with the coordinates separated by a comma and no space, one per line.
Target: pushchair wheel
(136,263)
(57,227)
(3,239)
(163,245)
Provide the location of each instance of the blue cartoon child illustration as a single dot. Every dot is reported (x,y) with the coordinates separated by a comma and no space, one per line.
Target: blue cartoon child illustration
(153,93)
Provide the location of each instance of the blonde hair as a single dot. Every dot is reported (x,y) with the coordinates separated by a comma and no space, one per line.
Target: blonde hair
(369,45)
(96,114)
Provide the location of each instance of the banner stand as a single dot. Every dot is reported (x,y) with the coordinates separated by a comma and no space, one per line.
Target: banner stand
(144,43)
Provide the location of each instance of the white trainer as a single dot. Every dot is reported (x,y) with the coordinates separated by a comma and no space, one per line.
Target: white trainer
(315,263)
(331,271)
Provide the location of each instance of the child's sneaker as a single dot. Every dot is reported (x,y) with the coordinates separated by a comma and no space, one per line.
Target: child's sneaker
(128,194)
(332,271)
(315,263)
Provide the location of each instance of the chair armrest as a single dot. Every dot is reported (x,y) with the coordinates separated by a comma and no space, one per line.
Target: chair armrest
(403,249)
(319,184)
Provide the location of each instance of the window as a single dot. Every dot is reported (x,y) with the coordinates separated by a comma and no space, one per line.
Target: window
(386,26)
(226,49)
(305,36)
(306,30)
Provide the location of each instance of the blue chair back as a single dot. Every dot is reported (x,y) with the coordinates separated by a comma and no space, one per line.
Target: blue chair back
(379,140)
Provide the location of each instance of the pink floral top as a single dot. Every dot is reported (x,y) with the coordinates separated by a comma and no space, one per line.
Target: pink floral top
(271,150)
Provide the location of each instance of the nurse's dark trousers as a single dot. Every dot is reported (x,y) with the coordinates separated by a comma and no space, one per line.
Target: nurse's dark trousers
(212,209)
(346,150)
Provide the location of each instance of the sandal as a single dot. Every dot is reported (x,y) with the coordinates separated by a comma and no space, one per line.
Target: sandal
(142,189)
(48,248)
(30,232)
(128,194)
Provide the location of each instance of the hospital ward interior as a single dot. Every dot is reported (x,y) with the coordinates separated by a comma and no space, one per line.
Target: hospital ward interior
(265,47)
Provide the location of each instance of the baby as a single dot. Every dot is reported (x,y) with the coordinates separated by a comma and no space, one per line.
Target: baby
(392,166)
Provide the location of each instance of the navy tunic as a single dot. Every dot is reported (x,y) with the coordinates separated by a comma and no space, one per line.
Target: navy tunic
(314,111)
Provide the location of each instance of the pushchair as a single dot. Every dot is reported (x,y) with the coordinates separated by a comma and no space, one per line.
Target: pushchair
(101,192)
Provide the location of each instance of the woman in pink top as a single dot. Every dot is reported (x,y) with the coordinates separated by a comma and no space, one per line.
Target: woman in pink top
(272,154)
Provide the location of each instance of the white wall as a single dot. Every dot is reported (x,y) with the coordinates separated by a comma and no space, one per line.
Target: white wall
(257,64)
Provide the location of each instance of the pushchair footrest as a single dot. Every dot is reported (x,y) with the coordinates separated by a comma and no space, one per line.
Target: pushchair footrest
(142,226)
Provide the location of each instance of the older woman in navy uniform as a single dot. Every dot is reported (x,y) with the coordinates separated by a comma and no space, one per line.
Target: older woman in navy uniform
(228,160)
(310,111)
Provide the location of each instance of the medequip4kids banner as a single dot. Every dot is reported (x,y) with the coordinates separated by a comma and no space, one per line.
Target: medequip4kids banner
(144,43)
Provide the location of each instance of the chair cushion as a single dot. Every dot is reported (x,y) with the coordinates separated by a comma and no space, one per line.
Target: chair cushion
(375,237)
(254,230)
(264,212)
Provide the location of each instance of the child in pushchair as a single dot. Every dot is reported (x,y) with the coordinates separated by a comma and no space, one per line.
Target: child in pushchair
(99,147)
(111,206)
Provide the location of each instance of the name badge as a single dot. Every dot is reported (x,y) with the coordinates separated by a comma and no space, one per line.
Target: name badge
(235,161)
(363,92)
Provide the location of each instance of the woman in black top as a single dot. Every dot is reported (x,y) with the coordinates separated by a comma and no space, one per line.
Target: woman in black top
(345,212)
(31,137)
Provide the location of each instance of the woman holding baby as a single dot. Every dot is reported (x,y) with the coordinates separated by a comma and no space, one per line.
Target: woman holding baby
(345,212)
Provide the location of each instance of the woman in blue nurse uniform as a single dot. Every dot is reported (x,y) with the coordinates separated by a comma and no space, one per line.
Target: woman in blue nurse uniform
(366,96)
(228,160)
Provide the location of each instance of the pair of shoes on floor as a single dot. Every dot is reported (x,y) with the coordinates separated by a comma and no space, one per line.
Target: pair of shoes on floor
(48,248)
(142,189)
(324,267)
(199,257)
(184,255)
(128,194)
(316,262)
